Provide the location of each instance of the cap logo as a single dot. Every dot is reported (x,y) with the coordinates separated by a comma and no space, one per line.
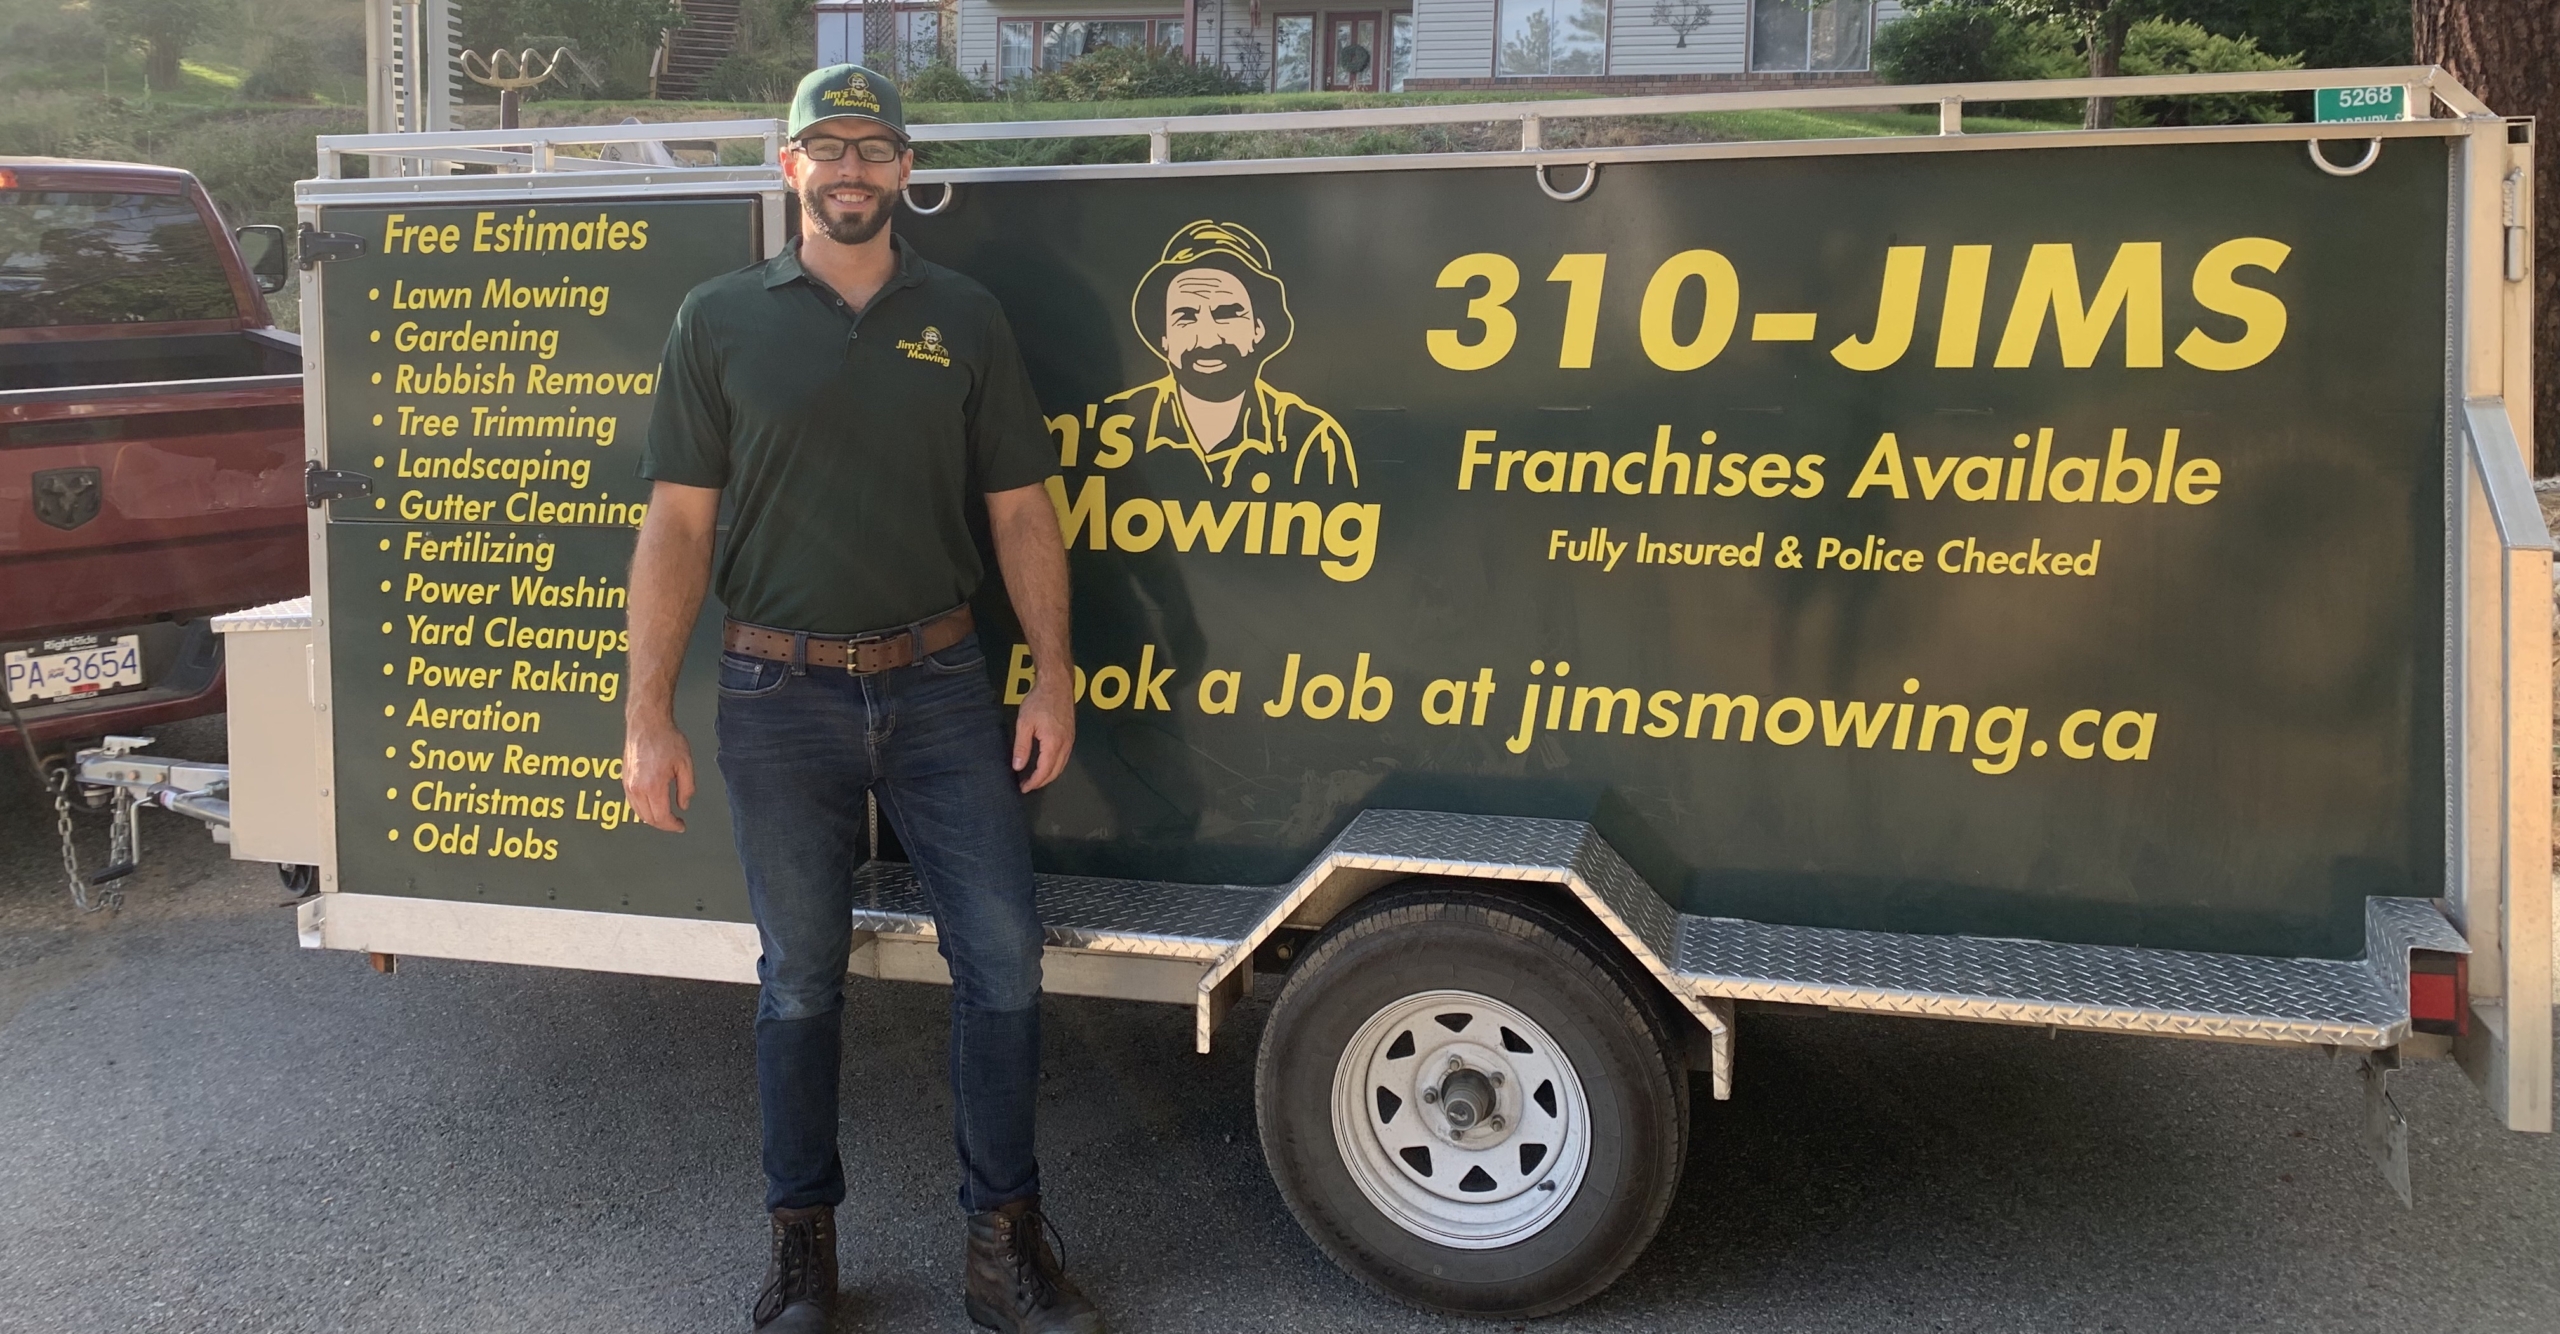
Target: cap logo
(855,95)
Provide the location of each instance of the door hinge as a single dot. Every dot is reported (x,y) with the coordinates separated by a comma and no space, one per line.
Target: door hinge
(321,485)
(317,246)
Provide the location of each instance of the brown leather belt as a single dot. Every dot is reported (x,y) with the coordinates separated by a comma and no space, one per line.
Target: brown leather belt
(863,654)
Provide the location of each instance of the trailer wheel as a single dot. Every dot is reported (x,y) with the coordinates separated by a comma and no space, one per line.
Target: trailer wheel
(1470,1103)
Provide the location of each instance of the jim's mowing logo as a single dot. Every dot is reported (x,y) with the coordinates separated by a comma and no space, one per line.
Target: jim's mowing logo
(926,346)
(1214,310)
(855,95)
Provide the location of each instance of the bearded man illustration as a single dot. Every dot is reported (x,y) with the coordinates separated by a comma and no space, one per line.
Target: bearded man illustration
(1216,314)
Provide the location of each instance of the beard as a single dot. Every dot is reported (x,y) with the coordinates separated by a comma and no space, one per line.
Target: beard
(848,230)
(1219,386)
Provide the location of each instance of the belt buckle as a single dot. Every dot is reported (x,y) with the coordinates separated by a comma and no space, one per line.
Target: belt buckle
(855,650)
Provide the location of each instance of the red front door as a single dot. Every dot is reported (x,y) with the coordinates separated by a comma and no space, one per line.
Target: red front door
(1352,59)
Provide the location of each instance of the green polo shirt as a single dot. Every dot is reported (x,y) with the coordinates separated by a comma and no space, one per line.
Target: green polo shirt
(848,446)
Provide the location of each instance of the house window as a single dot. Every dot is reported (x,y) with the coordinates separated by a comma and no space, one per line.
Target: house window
(1062,40)
(1553,37)
(1820,36)
(1017,45)
(1399,49)
(1024,47)
(919,37)
(1293,52)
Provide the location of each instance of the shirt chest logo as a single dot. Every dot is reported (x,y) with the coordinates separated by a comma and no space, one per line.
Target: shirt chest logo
(926,346)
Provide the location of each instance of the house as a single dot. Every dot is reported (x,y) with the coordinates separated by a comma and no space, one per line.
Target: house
(919,31)
(1393,45)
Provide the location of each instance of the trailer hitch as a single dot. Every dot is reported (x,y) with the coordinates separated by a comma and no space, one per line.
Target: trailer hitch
(112,774)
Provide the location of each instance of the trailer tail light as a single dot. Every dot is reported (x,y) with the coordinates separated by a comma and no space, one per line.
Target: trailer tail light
(2439,986)
(8,179)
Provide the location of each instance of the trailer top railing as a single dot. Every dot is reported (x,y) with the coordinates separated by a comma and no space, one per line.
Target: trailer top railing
(628,147)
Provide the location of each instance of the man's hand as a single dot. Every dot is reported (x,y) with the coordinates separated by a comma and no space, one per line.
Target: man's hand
(1034,561)
(655,754)
(1044,734)
(670,566)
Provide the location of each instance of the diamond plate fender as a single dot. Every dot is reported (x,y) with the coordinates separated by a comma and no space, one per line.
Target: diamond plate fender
(1379,846)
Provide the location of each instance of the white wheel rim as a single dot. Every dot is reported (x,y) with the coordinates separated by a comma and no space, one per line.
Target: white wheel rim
(1473,1186)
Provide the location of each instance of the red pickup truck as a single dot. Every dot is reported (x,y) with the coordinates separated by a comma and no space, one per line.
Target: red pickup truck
(151,458)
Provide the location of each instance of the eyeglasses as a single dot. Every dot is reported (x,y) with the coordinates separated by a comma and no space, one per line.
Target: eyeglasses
(821,148)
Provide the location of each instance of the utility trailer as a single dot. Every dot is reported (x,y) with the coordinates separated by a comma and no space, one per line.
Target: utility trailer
(2082,579)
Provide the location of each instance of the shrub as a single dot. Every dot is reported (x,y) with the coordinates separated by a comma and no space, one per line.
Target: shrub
(1956,41)
(749,76)
(2156,46)
(42,38)
(249,161)
(45,124)
(287,70)
(942,81)
(1951,42)
(1126,73)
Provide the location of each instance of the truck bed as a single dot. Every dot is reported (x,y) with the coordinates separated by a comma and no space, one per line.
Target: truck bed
(154,363)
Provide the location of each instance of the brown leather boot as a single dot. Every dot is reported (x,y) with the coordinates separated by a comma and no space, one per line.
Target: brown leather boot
(799,1293)
(1015,1283)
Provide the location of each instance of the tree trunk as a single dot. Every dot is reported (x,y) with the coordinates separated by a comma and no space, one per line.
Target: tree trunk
(160,64)
(2508,52)
(2106,60)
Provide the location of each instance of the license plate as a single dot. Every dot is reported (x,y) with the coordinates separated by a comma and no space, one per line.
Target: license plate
(70,673)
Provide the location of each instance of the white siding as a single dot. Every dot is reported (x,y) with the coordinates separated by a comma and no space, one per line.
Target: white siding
(1227,35)
(1453,39)
(1638,45)
(975,47)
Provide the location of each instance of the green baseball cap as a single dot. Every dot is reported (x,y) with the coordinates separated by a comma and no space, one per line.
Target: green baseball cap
(846,90)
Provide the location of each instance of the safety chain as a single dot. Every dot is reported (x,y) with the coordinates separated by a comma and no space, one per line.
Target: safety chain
(59,785)
(79,885)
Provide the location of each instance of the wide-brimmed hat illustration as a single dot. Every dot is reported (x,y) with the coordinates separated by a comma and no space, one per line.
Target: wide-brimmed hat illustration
(1230,248)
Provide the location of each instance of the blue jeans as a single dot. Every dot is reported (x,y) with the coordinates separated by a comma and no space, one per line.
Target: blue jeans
(799,747)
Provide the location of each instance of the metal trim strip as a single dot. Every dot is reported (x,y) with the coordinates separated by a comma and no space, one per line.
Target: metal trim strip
(705,951)
(2501,461)
(290,614)
(1135,918)
(235,384)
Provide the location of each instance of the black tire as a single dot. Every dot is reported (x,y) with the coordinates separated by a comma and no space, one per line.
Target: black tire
(1552,967)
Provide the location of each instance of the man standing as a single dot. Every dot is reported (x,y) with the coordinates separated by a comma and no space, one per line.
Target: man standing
(848,398)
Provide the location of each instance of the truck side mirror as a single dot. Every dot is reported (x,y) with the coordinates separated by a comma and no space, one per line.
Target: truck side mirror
(263,246)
